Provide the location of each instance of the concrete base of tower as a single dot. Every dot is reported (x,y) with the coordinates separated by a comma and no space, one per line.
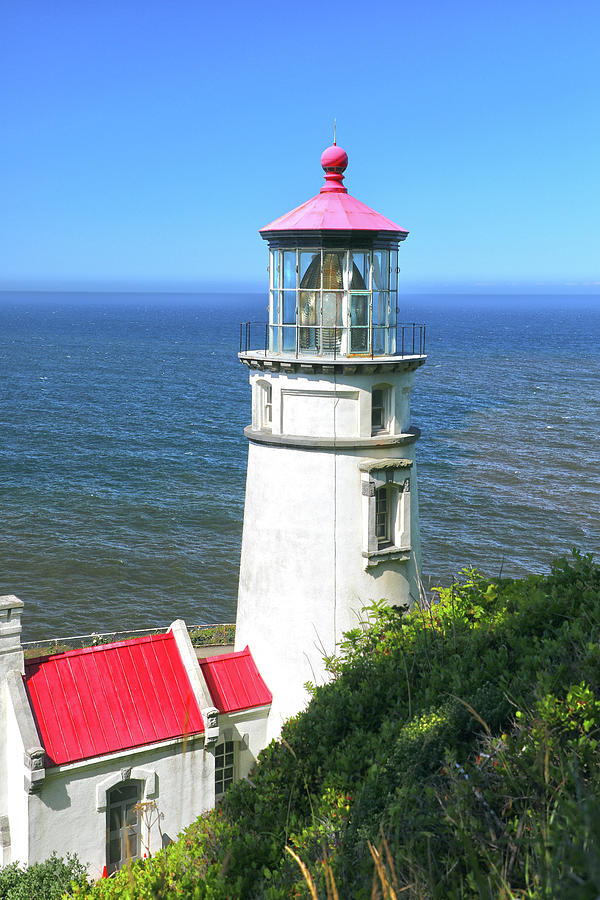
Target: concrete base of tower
(312,558)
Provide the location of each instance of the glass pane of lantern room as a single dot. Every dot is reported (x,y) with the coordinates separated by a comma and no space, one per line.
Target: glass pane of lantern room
(331,312)
(359,270)
(308,307)
(289,339)
(392,317)
(393,270)
(380,322)
(275,268)
(289,269)
(274,307)
(333,267)
(309,301)
(332,308)
(310,269)
(381,270)
(380,308)
(289,308)
(359,323)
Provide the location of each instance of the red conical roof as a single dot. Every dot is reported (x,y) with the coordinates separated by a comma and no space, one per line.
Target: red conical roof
(333,209)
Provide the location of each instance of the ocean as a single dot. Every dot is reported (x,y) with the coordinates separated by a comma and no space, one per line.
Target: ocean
(122,455)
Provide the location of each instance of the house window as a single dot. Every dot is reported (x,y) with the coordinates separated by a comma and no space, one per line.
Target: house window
(122,825)
(224,767)
(380,409)
(383,530)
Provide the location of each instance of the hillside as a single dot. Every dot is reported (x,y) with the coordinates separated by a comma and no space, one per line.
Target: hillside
(453,755)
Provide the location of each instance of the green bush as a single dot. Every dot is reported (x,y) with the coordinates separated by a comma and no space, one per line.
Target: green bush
(42,881)
(461,739)
(212,635)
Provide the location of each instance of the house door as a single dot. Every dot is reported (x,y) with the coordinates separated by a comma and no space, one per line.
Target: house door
(123,825)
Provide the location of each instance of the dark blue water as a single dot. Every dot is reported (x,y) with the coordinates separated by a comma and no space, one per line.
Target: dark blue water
(122,458)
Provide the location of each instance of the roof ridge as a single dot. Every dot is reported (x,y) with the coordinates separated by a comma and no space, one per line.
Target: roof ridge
(235,654)
(146,638)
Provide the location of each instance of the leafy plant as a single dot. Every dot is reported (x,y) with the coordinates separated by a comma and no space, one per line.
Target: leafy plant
(47,880)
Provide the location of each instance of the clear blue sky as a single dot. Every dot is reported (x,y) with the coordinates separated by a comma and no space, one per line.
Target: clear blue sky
(142,144)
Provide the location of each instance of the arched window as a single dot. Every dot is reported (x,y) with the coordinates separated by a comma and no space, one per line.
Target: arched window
(122,824)
(381,412)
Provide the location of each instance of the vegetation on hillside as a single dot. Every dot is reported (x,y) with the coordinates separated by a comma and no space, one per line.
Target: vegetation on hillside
(454,755)
(47,880)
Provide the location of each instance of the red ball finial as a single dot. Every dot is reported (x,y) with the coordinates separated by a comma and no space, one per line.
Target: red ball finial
(334,161)
(334,158)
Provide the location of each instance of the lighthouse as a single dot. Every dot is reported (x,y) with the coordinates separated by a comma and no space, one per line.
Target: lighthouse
(331,520)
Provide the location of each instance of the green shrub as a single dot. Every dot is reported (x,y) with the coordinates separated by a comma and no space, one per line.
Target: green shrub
(42,881)
(212,634)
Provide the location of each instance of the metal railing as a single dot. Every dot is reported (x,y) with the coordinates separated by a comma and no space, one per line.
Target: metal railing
(329,342)
(221,633)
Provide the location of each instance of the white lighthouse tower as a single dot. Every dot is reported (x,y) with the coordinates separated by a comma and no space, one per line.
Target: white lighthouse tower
(331,515)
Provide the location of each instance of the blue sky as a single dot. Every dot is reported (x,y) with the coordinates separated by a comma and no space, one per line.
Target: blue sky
(144,144)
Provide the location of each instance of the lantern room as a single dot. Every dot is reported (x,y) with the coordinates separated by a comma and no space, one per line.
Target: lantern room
(333,278)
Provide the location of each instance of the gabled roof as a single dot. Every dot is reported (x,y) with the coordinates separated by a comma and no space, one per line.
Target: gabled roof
(111,697)
(234,681)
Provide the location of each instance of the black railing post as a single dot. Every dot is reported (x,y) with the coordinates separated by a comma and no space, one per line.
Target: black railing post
(413,342)
(266,337)
(241,328)
(402,329)
(424,327)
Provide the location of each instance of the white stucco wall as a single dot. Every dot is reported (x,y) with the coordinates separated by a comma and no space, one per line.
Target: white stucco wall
(64,815)
(11,660)
(324,406)
(303,580)
(68,814)
(14,773)
(248,728)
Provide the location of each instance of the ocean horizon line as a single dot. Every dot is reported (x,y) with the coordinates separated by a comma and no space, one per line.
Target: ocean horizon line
(480,293)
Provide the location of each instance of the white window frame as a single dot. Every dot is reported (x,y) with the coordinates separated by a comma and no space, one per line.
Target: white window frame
(386,407)
(129,834)
(227,751)
(263,405)
(390,478)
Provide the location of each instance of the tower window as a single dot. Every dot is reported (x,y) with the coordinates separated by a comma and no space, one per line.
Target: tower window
(268,407)
(386,501)
(380,409)
(224,767)
(383,531)
(263,406)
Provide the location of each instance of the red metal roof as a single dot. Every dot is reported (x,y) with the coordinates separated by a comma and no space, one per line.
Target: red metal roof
(333,208)
(234,681)
(112,697)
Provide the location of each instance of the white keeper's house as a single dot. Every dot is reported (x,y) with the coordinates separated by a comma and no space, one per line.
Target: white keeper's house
(109,751)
